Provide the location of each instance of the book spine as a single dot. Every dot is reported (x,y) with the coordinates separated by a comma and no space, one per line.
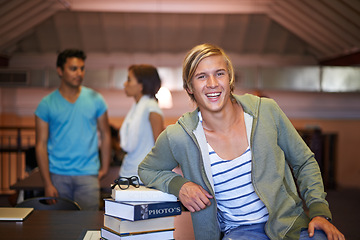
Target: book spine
(156,210)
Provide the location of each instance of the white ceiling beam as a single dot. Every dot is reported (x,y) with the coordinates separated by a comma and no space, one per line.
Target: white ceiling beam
(8,6)
(336,23)
(33,17)
(297,12)
(16,24)
(305,37)
(354,4)
(173,6)
(350,14)
(65,3)
(123,60)
(286,19)
(10,19)
(323,26)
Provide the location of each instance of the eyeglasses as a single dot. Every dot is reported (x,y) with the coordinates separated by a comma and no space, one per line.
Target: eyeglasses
(125,182)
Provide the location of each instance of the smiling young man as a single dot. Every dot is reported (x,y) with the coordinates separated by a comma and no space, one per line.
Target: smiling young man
(67,121)
(236,154)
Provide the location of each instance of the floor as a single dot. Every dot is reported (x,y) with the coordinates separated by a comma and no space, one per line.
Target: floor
(344,204)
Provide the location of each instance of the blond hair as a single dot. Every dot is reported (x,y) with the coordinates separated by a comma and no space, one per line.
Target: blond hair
(195,56)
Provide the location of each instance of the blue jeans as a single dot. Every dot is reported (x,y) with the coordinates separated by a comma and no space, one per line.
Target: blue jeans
(257,232)
(85,190)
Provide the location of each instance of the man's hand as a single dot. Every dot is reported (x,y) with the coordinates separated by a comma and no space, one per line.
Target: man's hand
(194,197)
(50,191)
(330,230)
(102,173)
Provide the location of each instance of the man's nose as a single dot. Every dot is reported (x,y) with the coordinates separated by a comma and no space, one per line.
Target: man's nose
(212,81)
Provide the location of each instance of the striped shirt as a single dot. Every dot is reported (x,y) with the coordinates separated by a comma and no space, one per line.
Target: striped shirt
(237,202)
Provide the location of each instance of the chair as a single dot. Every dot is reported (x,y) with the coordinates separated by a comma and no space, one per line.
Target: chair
(41,203)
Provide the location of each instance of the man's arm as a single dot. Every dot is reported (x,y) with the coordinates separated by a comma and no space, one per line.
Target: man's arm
(308,176)
(42,134)
(156,169)
(104,128)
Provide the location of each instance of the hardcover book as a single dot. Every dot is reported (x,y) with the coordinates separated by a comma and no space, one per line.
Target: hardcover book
(141,193)
(122,226)
(158,235)
(134,211)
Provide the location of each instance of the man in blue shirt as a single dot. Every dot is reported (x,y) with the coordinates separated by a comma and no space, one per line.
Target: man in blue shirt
(67,123)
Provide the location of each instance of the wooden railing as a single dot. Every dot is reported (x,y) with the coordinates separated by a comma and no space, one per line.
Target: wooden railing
(14,143)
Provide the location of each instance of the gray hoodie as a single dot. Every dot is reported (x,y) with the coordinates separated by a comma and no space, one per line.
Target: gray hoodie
(279,156)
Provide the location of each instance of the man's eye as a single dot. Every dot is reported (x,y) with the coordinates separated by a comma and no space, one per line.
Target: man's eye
(73,68)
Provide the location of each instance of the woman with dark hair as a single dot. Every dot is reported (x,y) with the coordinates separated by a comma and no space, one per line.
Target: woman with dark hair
(144,122)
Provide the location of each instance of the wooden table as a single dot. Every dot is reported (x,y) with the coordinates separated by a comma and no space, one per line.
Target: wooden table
(35,182)
(54,225)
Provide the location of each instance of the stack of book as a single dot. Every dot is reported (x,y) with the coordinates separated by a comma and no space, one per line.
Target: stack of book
(140,213)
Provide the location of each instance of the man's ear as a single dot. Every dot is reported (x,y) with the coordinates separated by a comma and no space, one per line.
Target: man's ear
(189,90)
(59,71)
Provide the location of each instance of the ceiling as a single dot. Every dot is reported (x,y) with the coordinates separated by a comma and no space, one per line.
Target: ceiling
(312,30)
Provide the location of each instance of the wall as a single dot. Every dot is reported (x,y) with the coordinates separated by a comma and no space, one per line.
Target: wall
(348,153)
(333,112)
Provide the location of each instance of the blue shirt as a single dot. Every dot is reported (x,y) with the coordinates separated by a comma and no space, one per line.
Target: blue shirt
(72,142)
